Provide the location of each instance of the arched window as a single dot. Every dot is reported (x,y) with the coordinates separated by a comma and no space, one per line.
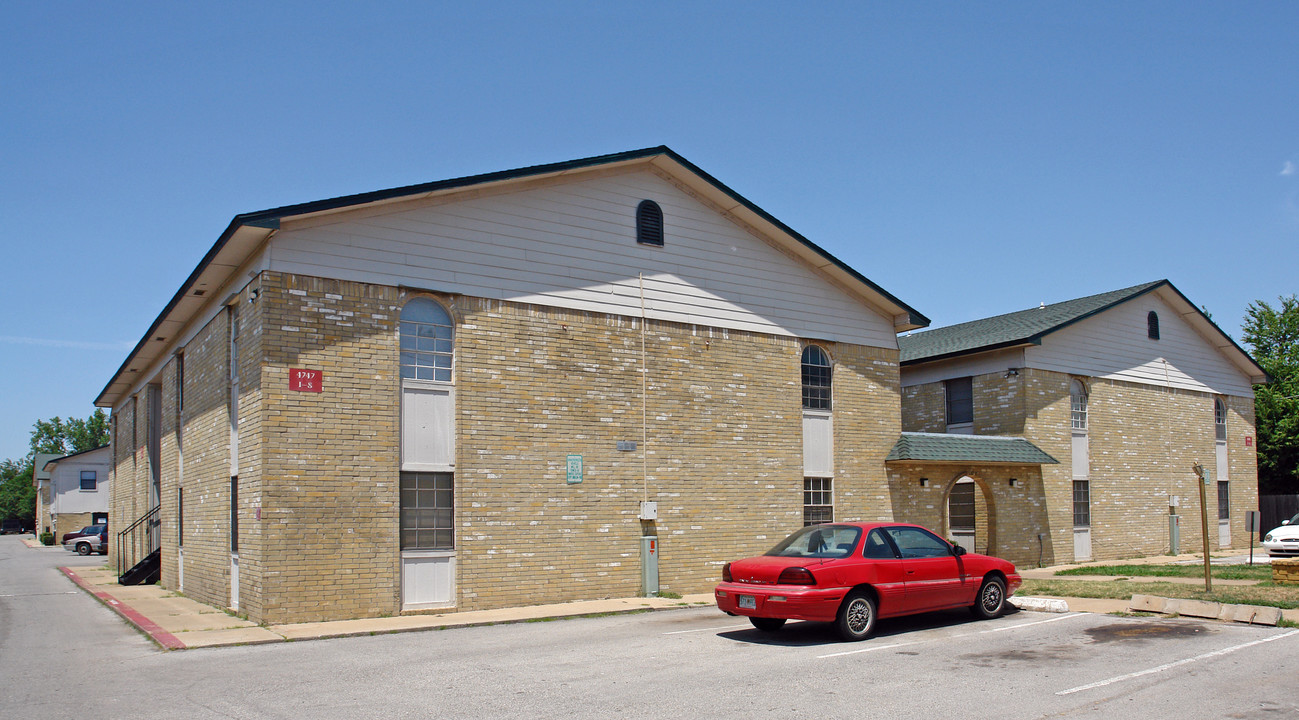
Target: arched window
(1219,419)
(426,341)
(1152,325)
(1077,405)
(816,378)
(649,223)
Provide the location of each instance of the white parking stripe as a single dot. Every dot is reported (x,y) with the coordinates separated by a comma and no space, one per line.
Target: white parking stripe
(724,627)
(873,648)
(69,592)
(981,632)
(1171,665)
(1035,622)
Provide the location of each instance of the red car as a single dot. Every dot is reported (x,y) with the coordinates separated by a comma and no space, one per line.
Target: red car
(852,574)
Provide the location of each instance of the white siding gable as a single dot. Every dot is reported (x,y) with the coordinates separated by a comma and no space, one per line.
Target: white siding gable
(1114,344)
(572,244)
(65,481)
(965,366)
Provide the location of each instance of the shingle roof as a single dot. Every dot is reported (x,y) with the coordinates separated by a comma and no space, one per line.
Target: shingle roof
(1017,328)
(984,449)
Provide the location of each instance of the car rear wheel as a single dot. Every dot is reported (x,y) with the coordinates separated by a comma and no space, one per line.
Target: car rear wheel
(83,548)
(992,599)
(856,619)
(767,624)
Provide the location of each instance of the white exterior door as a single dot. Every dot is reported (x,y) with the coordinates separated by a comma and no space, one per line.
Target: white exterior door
(427,442)
(818,444)
(234,581)
(428,579)
(1224,496)
(427,446)
(1082,544)
(1082,527)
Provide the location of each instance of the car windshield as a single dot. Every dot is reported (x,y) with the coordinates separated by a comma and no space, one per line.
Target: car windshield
(819,541)
(1294,520)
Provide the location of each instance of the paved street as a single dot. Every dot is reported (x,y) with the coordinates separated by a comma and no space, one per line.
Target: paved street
(62,655)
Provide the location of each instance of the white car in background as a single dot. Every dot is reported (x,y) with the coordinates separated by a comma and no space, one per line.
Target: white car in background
(1283,540)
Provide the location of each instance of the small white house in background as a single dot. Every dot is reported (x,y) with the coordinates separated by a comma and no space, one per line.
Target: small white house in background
(79,490)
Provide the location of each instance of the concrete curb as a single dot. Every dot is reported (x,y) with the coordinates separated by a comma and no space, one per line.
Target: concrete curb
(1037,604)
(164,639)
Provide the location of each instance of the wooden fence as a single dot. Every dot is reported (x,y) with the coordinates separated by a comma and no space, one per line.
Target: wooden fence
(1274,509)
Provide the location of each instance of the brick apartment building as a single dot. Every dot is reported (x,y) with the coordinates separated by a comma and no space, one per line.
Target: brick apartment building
(1124,391)
(460,394)
(471,393)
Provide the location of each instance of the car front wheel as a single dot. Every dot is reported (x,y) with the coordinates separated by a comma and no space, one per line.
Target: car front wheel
(767,624)
(83,548)
(992,599)
(856,619)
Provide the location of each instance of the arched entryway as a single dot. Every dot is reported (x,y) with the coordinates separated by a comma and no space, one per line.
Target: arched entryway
(969,515)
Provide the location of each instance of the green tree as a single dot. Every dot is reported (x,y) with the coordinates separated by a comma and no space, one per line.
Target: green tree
(1272,334)
(73,436)
(17,495)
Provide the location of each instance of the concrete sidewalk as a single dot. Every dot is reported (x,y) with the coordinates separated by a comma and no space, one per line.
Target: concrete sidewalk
(176,622)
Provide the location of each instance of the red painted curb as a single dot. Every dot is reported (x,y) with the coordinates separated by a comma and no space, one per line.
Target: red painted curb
(149,627)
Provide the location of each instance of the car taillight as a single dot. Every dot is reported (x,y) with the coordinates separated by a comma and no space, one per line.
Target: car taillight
(726,573)
(796,576)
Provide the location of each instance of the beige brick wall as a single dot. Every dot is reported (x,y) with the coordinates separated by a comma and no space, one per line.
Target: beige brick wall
(129,499)
(723,457)
(326,545)
(203,437)
(1142,443)
(170,479)
(71,522)
(724,451)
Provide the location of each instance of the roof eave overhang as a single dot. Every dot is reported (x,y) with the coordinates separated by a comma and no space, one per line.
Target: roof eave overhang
(239,240)
(903,316)
(1211,333)
(1007,345)
(248,231)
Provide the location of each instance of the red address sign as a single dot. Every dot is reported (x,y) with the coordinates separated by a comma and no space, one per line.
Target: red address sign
(305,380)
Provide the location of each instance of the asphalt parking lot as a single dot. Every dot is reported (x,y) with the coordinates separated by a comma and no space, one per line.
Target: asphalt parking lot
(63,654)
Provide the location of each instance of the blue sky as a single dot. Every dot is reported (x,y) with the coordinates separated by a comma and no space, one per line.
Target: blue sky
(971,158)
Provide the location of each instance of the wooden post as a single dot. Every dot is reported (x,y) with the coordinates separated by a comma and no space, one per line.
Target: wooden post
(1204,526)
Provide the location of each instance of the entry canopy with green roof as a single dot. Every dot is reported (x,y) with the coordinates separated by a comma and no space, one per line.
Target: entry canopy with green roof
(981,449)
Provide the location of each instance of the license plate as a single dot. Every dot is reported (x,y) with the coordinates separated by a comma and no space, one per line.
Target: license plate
(748,602)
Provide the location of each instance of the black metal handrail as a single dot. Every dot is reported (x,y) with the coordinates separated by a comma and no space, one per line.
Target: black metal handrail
(137,541)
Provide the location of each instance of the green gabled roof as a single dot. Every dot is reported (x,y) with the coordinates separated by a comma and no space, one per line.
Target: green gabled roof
(1026,327)
(983,449)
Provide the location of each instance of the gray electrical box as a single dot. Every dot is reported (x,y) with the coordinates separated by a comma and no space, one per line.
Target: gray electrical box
(649,565)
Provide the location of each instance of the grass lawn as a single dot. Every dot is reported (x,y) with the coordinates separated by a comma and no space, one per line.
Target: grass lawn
(1226,572)
(1122,588)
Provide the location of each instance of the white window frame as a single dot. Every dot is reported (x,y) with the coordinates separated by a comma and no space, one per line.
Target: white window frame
(816,488)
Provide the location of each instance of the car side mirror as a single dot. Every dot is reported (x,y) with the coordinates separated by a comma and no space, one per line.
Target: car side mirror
(957,550)
(1285,522)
